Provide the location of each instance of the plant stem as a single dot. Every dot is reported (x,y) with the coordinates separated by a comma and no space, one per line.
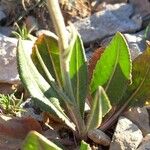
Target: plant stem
(58,21)
(63,42)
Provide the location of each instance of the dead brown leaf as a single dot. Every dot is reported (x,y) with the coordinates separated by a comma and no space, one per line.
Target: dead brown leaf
(18,127)
(75,9)
(52,122)
(93,60)
(13,130)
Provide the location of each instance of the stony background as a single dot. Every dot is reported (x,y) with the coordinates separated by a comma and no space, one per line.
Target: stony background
(97,21)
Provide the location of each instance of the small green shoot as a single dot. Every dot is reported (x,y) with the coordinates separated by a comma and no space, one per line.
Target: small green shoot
(23,33)
(9,104)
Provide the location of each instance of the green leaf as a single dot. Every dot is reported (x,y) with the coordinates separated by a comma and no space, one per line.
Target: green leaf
(113,70)
(84,146)
(47,48)
(138,92)
(100,107)
(38,87)
(78,70)
(36,141)
(41,90)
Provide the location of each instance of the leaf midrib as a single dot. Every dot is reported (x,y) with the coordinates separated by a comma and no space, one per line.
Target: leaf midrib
(77,65)
(53,64)
(115,66)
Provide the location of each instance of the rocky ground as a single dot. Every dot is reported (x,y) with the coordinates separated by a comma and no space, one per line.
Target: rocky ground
(97,22)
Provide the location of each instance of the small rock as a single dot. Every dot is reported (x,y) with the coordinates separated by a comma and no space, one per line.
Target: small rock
(141,7)
(114,1)
(107,22)
(8,65)
(146,21)
(89,53)
(99,137)
(29,112)
(6,88)
(137,19)
(7,31)
(145,145)
(136,40)
(99,5)
(2,15)
(140,117)
(27,103)
(51,134)
(127,135)
(136,43)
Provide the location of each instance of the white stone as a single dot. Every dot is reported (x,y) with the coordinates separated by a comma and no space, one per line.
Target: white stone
(136,43)
(2,15)
(127,135)
(141,7)
(99,137)
(8,64)
(140,117)
(107,22)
